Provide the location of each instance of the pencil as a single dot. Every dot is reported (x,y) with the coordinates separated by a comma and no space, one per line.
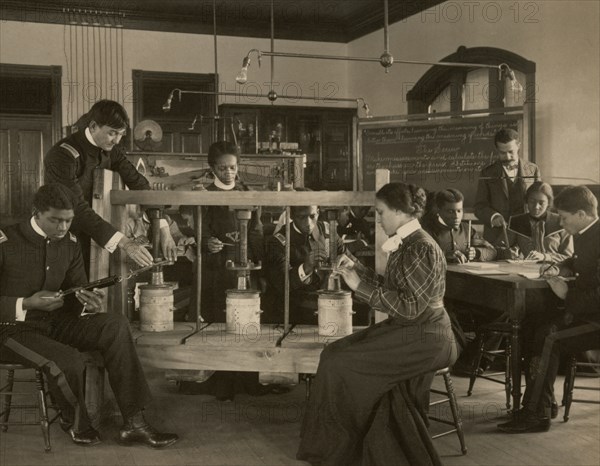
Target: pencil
(469,236)
(505,236)
(552,264)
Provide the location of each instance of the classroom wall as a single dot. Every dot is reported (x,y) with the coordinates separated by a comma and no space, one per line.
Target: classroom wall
(44,44)
(561,36)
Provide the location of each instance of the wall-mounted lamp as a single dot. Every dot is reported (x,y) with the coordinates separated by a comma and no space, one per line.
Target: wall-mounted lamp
(193,125)
(365,107)
(510,74)
(243,76)
(167,105)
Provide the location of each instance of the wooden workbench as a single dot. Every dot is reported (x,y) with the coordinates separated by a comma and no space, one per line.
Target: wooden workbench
(264,349)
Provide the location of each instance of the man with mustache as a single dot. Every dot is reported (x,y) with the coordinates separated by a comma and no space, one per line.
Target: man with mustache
(502,185)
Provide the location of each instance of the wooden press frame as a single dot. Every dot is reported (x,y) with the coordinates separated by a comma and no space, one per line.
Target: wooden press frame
(119,199)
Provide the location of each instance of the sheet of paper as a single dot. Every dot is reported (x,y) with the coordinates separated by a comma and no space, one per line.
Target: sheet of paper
(531,275)
(486,272)
(480,265)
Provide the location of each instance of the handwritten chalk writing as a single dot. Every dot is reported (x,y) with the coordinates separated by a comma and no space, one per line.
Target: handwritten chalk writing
(436,155)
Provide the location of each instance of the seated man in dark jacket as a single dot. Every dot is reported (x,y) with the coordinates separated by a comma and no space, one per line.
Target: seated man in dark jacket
(40,328)
(309,246)
(578,329)
(460,245)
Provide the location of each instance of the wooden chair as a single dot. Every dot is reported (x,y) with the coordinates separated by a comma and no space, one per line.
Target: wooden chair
(94,395)
(7,392)
(502,329)
(450,398)
(569,384)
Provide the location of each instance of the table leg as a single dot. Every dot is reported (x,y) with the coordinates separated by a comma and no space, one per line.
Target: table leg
(515,364)
(516,314)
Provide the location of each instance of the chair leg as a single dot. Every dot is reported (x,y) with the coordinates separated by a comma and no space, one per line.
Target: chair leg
(568,395)
(507,375)
(475,368)
(307,382)
(44,424)
(455,413)
(10,380)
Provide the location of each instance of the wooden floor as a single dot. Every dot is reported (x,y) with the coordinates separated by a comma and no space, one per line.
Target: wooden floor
(264,431)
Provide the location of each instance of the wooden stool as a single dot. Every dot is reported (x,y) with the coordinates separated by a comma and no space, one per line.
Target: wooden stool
(569,384)
(483,332)
(7,392)
(451,399)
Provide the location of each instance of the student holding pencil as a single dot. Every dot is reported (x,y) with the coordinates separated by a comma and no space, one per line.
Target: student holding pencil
(459,241)
(538,234)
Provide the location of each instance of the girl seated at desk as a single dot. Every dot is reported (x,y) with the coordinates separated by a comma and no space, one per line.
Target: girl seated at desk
(537,234)
(371,388)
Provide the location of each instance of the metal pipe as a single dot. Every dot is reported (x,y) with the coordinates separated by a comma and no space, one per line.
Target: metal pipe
(216,117)
(272,45)
(238,94)
(386,36)
(286,294)
(198,229)
(378,59)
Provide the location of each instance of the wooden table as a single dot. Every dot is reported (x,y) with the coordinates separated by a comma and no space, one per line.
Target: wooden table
(505,293)
(265,349)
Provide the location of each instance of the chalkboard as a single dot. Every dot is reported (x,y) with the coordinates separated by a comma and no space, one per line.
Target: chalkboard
(435,155)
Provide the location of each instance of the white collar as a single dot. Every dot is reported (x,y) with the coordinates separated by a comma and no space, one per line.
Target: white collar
(394,241)
(225,187)
(88,135)
(441,220)
(37,228)
(588,227)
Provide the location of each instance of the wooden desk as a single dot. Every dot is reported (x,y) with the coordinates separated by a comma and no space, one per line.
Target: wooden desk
(505,293)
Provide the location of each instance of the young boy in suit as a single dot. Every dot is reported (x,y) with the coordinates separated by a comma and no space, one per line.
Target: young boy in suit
(579,327)
(459,244)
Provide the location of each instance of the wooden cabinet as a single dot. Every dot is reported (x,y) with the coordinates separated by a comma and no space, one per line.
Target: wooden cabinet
(326,136)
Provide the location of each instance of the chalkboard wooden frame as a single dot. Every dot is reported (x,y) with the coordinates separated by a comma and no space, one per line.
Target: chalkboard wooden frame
(514,115)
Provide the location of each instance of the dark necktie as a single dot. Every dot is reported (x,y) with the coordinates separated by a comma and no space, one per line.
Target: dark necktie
(538,231)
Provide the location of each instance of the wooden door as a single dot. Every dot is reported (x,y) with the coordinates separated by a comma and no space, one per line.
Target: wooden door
(23,144)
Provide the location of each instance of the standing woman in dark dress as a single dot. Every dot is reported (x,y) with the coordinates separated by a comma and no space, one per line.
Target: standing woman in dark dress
(220,240)
(371,389)
(220,233)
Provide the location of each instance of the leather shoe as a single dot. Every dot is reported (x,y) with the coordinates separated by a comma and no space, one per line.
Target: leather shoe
(145,434)
(525,421)
(87,438)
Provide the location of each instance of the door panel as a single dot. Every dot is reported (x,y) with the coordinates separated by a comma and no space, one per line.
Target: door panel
(23,143)
(5,170)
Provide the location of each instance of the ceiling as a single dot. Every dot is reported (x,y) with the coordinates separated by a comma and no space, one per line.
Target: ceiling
(313,20)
